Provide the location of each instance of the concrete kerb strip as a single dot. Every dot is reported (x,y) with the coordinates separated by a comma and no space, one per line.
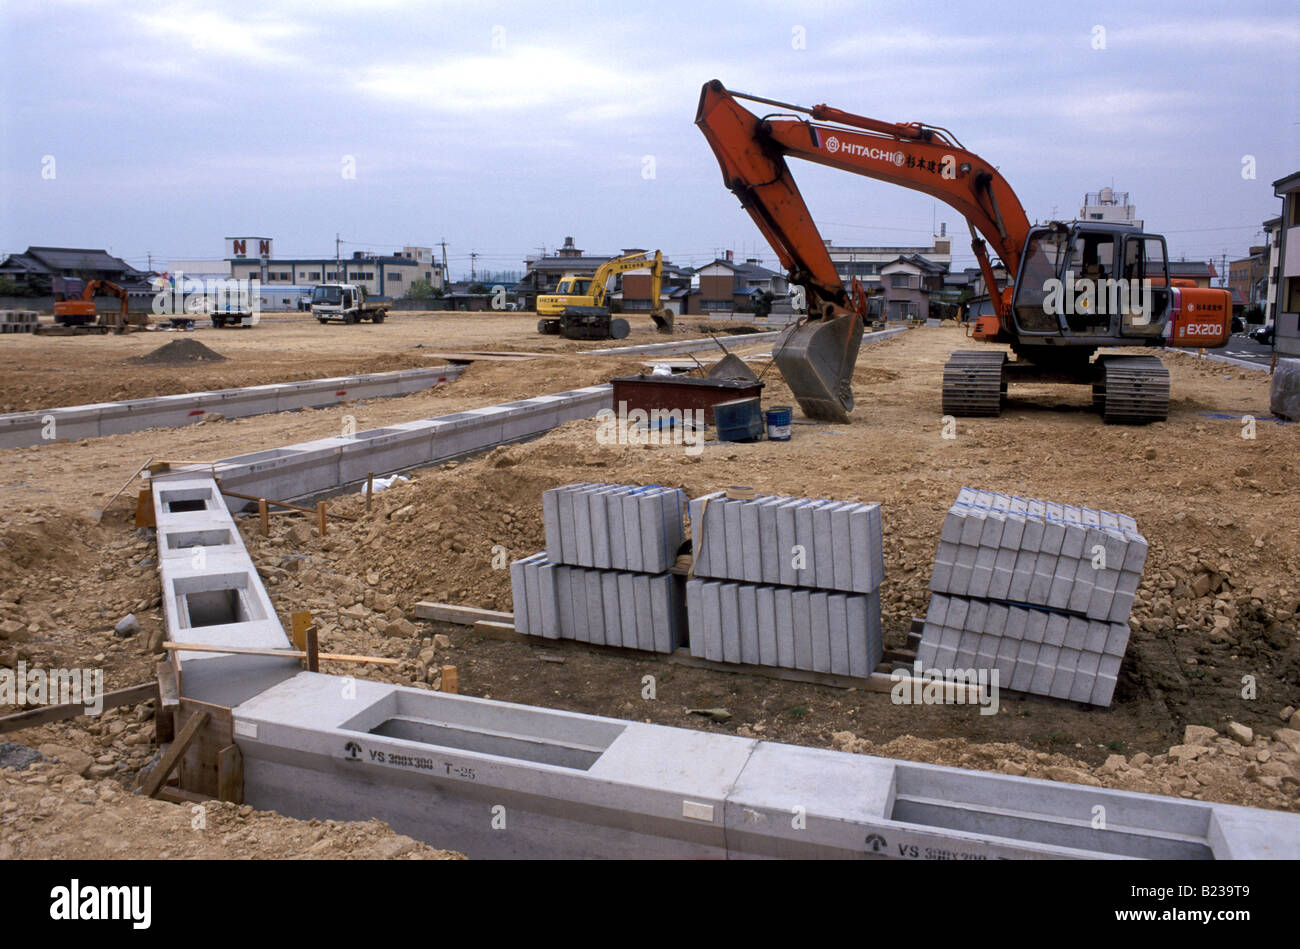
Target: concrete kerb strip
(21,429)
(329,465)
(575,786)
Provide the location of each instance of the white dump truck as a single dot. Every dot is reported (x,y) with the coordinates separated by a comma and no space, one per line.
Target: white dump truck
(345,302)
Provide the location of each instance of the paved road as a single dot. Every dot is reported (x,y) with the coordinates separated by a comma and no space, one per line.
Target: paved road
(1241,346)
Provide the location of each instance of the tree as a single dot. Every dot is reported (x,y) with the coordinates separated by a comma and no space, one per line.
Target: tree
(9,287)
(477,288)
(420,290)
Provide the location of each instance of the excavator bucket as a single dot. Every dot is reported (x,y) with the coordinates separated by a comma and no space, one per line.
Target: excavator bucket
(816,358)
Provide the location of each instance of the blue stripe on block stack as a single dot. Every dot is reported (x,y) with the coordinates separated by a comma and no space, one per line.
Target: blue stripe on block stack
(1038,590)
(809,591)
(603,578)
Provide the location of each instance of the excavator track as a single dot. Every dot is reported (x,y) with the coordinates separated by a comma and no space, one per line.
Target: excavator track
(974,383)
(1131,390)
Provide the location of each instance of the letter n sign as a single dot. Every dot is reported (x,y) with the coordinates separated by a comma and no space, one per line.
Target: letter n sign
(239,248)
(263,248)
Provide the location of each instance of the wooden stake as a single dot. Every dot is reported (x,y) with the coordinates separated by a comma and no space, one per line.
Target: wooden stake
(370,489)
(320,517)
(144,515)
(312,650)
(300,623)
(264,516)
(158,777)
(450,681)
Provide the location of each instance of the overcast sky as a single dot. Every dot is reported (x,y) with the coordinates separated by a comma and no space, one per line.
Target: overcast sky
(503,127)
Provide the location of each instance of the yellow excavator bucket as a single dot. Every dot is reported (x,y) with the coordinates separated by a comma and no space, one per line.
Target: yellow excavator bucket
(816,358)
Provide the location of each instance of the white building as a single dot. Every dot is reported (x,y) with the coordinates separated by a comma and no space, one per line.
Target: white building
(865,263)
(1109,206)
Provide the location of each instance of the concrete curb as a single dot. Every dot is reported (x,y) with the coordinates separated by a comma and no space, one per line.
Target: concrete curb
(21,429)
(329,465)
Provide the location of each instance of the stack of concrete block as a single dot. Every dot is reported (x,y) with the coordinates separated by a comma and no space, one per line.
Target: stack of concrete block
(810,572)
(791,627)
(1063,655)
(614,526)
(1039,591)
(1019,550)
(18,321)
(604,607)
(603,578)
(755,540)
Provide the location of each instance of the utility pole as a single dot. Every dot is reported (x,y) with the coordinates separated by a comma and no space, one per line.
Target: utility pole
(445,275)
(473,256)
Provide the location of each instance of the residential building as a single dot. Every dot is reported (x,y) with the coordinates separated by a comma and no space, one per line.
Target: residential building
(1286,299)
(909,282)
(674,289)
(41,270)
(727,286)
(542,274)
(1272,235)
(865,262)
(1110,206)
(1248,277)
(1201,272)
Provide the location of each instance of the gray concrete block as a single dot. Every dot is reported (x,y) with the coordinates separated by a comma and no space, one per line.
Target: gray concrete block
(695,622)
(747,619)
(819,624)
(627,612)
(805,538)
(769,547)
(645,633)
(765,604)
(803,646)
(734,543)
(611,613)
(728,597)
(842,552)
(751,549)
(783,601)
(787,539)
(595,608)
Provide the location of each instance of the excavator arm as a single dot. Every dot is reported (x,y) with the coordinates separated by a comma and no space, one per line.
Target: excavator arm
(817,358)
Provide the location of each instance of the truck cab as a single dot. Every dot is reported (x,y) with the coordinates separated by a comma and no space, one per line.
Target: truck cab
(345,302)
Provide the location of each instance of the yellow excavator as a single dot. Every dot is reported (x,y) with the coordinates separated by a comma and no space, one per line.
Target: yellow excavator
(579,308)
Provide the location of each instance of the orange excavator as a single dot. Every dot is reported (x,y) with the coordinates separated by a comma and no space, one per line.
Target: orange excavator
(1076,287)
(79,309)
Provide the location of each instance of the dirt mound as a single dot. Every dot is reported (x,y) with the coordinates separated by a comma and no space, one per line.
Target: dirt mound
(179,352)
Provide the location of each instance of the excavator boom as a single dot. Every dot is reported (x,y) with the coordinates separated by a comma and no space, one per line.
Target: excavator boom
(817,357)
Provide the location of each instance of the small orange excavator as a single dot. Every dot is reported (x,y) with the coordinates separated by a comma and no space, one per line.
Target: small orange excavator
(79,310)
(1075,286)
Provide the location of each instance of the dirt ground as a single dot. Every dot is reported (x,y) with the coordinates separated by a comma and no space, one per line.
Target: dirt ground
(1216,635)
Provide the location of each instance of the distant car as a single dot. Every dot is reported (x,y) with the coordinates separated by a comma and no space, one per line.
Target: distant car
(1238,325)
(1264,334)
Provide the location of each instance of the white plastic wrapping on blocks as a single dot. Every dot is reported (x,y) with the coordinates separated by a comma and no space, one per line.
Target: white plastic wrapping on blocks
(759,624)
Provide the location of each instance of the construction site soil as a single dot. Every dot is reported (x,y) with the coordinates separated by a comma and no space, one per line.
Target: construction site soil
(1206,703)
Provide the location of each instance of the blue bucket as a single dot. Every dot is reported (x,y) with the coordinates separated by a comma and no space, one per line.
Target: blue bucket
(778,422)
(740,420)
